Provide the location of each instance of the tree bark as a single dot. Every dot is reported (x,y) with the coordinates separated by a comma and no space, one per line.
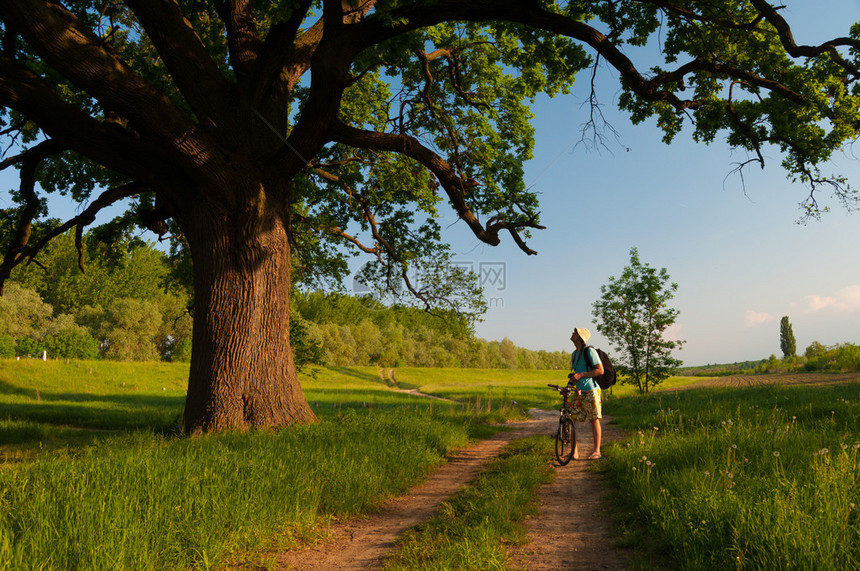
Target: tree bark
(242,369)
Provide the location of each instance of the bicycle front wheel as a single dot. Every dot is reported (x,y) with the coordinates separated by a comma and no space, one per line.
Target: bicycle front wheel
(565,440)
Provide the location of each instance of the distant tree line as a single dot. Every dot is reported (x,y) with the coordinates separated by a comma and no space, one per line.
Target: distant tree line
(132,303)
(842,357)
(838,358)
(353,331)
(124,306)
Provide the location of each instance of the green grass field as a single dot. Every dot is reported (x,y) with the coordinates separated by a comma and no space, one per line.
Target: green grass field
(94,474)
(755,478)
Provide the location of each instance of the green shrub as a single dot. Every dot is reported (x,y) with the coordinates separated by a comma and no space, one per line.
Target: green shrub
(7,346)
(180,351)
(71,343)
(26,346)
(848,358)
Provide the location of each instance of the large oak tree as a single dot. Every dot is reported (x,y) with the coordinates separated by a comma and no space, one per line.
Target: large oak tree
(269,132)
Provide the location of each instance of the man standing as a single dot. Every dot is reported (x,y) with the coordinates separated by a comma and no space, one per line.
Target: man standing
(584,365)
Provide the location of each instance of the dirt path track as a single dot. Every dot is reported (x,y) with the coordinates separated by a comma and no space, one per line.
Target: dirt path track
(568,504)
(571,532)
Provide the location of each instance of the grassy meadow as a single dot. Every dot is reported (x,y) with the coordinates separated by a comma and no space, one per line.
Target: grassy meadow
(94,473)
(754,478)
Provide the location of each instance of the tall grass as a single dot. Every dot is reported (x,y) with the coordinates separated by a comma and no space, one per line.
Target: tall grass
(83,486)
(144,501)
(763,478)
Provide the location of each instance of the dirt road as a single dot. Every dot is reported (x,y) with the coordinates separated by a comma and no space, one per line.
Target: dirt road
(568,534)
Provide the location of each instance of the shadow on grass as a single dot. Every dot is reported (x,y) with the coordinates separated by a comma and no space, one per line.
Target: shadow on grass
(347,372)
(161,417)
(132,399)
(161,414)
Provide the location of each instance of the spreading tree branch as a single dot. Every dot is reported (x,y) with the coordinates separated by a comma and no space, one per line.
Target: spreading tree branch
(787,39)
(26,252)
(243,38)
(196,74)
(23,91)
(29,161)
(78,54)
(455,186)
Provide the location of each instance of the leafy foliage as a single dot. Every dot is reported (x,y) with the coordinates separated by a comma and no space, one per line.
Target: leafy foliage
(357,331)
(121,307)
(786,338)
(633,314)
(290,132)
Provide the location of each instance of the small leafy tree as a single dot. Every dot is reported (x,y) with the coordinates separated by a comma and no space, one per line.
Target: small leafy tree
(632,313)
(72,342)
(786,338)
(127,329)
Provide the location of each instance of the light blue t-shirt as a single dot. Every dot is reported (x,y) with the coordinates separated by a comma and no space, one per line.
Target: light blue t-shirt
(580,365)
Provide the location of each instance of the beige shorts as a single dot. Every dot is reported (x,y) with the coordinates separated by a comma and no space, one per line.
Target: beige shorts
(587,407)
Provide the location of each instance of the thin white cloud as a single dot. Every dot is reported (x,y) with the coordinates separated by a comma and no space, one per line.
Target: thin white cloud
(846,299)
(753,318)
(673,332)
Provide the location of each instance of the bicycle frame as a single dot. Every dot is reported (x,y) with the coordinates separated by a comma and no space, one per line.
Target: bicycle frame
(566,407)
(565,438)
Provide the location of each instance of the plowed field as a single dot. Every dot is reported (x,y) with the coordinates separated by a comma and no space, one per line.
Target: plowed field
(776,379)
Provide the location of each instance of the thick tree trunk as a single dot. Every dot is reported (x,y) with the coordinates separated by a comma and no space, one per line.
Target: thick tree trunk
(242,369)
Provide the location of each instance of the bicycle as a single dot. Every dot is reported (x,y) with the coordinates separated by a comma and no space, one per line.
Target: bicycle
(565,438)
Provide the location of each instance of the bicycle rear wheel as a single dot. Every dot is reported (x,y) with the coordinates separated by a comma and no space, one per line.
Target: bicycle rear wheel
(565,440)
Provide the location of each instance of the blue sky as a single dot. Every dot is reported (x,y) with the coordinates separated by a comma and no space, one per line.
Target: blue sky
(739,258)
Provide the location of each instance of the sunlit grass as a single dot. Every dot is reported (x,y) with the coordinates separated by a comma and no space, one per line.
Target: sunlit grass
(759,478)
(143,501)
(475,525)
(94,394)
(91,477)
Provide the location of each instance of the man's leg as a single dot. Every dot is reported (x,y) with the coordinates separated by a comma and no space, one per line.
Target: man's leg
(597,432)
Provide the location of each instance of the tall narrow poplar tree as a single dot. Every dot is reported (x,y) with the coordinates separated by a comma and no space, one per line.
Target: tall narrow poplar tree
(786,338)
